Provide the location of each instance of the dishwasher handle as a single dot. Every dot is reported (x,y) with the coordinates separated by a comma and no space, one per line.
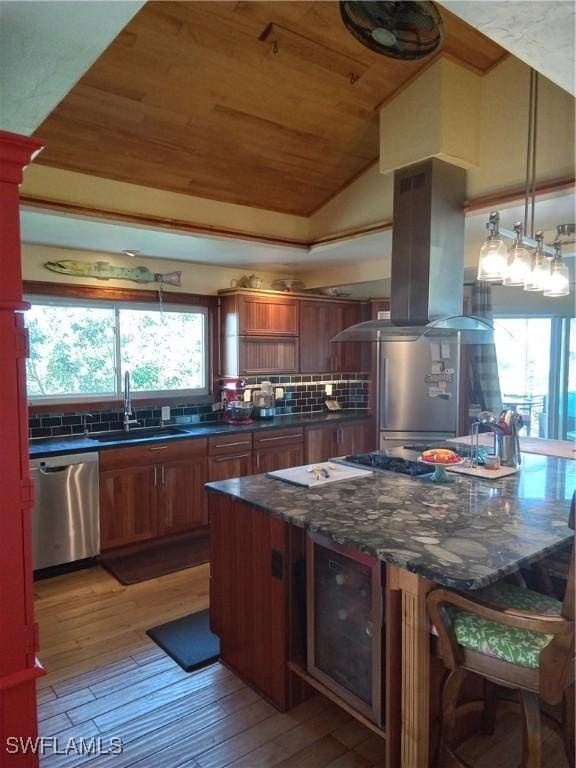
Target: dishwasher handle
(53,470)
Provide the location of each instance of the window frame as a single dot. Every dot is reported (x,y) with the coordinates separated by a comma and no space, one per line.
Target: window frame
(115,305)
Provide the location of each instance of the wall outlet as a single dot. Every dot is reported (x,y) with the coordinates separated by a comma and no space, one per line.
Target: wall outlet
(328,389)
(279,393)
(165,413)
(218,406)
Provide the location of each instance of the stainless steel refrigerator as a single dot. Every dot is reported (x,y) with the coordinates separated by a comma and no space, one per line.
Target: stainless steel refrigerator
(418,390)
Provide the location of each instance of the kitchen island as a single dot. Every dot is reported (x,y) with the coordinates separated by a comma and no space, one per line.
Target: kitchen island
(464,535)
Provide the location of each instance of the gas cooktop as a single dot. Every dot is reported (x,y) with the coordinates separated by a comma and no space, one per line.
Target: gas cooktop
(403,460)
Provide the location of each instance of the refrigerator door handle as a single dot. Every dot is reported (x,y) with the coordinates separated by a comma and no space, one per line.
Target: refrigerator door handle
(383,392)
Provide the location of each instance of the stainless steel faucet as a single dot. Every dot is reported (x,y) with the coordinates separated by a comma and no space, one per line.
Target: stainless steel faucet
(127,404)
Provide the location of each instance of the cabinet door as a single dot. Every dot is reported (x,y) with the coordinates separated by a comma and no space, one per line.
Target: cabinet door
(248,594)
(127,506)
(320,442)
(182,500)
(279,457)
(319,322)
(353,438)
(267,315)
(351,357)
(225,467)
(267,355)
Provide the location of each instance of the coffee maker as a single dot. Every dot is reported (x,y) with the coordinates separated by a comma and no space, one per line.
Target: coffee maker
(236,410)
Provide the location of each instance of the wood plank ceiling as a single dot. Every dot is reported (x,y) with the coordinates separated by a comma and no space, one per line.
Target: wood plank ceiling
(267,104)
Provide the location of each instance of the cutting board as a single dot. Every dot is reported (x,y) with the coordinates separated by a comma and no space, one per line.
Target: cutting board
(487,474)
(301,476)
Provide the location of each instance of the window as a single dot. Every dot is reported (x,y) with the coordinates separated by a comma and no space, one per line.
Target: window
(81,350)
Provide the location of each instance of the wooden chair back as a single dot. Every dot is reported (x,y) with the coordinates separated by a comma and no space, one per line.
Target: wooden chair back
(556,659)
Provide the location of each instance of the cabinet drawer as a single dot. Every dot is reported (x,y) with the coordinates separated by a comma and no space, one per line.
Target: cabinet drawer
(153,453)
(226,445)
(275,437)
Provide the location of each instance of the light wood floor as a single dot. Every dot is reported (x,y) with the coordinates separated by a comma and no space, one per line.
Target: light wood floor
(107,679)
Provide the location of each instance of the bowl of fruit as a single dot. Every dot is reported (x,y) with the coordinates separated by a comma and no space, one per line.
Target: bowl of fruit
(440,458)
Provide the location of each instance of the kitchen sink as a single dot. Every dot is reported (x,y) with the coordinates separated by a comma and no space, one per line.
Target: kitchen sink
(136,434)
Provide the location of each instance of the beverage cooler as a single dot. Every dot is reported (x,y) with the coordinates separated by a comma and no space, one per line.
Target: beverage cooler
(344,624)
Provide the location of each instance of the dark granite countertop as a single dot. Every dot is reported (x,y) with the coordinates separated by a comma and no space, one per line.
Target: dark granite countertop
(464,535)
(58,446)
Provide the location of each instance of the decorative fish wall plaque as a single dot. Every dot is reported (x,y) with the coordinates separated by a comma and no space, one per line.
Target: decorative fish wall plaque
(103,270)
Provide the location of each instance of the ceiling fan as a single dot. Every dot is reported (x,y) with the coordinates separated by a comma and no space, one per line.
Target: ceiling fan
(401,30)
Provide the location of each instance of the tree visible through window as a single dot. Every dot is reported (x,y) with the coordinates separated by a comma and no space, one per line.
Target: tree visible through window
(78,351)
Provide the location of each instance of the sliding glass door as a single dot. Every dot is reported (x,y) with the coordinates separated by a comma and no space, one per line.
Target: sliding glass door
(537,369)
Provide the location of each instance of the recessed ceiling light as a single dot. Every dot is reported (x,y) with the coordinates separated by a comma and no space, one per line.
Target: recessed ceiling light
(130,252)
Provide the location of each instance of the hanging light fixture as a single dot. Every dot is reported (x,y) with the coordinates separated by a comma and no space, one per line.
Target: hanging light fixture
(558,282)
(541,268)
(493,254)
(538,275)
(519,260)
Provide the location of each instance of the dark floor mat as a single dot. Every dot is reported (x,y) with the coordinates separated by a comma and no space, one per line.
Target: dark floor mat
(188,641)
(131,565)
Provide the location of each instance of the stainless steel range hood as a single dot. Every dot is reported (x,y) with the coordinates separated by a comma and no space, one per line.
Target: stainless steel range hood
(427,280)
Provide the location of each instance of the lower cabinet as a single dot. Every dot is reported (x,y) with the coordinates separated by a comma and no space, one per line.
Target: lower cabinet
(158,489)
(326,441)
(151,491)
(278,449)
(248,594)
(127,506)
(229,456)
(225,467)
(181,498)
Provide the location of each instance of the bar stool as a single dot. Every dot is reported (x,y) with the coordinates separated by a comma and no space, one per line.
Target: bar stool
(512,637)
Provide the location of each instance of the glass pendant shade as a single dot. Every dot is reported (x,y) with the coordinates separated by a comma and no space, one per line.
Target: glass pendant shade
(519,263)
(493,261)
(558,283)
(537,278)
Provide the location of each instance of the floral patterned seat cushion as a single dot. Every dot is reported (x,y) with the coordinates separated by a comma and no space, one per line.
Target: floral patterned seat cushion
(517,646)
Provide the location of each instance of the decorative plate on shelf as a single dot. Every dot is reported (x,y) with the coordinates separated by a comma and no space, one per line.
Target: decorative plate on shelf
(288,284)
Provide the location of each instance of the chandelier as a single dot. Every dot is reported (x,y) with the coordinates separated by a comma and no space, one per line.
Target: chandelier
(528,262)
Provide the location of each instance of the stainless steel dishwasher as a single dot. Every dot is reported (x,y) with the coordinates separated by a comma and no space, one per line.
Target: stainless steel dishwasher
(66,514)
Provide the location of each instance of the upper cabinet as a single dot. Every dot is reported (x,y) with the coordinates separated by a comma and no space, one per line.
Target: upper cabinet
(320,321)
(263,333)
(264,316)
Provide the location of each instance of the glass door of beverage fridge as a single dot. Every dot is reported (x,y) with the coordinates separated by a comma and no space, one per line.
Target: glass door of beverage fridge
(344,623)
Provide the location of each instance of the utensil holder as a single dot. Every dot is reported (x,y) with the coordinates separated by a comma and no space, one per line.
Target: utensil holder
(507,450)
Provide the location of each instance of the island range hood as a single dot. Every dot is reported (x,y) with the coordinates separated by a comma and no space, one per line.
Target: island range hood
(427,280)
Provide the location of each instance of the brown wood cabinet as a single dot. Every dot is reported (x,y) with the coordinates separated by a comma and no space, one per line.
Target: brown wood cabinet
(320,321)
(259,334)
(152,490)
(127,506)
(229,456)
(248,594)
(181,498)
(268,333)
(267,315)
(264,355)
(326,441)
(278,449)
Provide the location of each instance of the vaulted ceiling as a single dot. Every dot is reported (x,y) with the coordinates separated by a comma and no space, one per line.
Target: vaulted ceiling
(267,104)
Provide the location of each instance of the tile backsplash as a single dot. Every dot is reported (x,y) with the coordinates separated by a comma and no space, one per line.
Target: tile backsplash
(306,393)
(302,394)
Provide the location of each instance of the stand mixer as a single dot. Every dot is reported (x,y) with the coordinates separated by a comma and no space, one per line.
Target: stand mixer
(236,409)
